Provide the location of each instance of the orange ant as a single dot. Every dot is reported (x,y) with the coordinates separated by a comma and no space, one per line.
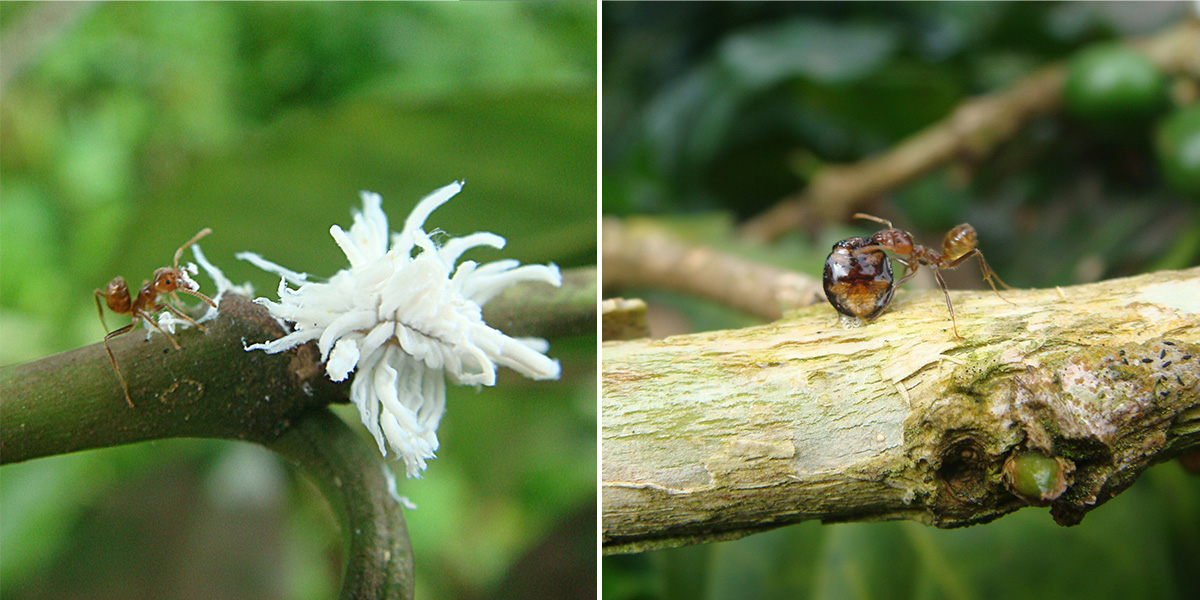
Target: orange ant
(848,271)
(167,280)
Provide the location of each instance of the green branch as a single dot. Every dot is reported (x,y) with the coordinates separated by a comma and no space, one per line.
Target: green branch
(378,560)
(210,388)
(537,309)
(213,388)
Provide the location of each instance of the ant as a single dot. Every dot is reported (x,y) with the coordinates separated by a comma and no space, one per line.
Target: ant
(167,280)
(858,280)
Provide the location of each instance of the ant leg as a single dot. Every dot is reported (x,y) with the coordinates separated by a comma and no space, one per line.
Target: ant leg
(113,360)
(909,267)
(100,309)
(150,319)
(988,273)
(942,283)
(181,315)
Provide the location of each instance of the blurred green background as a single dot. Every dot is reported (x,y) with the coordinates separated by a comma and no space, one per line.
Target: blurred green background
(713,112)
(127,127)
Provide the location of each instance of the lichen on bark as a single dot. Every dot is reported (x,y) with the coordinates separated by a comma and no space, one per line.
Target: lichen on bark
(1107,411)
(719,434)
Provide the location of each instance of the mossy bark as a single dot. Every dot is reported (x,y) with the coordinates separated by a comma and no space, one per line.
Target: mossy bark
(716,435)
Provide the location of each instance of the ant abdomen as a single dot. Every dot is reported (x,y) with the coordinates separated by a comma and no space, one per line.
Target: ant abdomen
(958,242)
(117,295)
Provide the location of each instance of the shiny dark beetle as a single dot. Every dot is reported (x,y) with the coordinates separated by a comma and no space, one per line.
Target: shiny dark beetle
(858,284)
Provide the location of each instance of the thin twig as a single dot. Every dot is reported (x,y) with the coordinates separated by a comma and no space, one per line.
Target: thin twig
(975,129)
(637,253)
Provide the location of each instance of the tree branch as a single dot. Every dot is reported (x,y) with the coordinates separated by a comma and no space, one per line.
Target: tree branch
(210,388)
(974,129)
(535,309)
(717,435)
(639,253)
(213,388)
(378,562)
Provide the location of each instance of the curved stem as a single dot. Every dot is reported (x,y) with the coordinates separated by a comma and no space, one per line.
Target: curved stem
(351,474)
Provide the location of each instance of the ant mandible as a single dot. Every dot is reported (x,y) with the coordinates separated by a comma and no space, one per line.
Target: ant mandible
(855,283)
(167,280)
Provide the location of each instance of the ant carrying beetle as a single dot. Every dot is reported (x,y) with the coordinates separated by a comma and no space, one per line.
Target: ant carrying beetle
(858,275)
(167,280)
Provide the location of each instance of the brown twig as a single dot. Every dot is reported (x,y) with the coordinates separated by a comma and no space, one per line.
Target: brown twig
(975,129)
(637,253)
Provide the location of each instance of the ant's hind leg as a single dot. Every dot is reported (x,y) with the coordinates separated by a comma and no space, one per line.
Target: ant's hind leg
(112,359)
(100,308)
(988,274)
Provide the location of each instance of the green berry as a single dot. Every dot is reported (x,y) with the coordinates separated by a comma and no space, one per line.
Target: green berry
(1178,145)
(1111,82)
(1037,478)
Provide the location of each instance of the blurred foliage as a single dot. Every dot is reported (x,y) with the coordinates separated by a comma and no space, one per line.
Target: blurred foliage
(1143,545)
(734,106)
(713,112)
(127,127)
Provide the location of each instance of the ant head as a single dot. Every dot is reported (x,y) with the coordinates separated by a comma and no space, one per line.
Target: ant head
(958,242)
(170,279)
(895,240)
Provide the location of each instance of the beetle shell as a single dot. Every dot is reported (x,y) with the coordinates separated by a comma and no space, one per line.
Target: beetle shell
(858,284)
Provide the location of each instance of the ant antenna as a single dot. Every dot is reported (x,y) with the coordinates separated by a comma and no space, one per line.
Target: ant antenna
(195,238)
(873,218)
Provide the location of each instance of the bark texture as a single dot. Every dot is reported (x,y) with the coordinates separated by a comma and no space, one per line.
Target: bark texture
(717,435)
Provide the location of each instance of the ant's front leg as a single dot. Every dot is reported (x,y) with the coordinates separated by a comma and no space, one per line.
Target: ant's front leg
(910,268)
(179,314)
(150,319)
